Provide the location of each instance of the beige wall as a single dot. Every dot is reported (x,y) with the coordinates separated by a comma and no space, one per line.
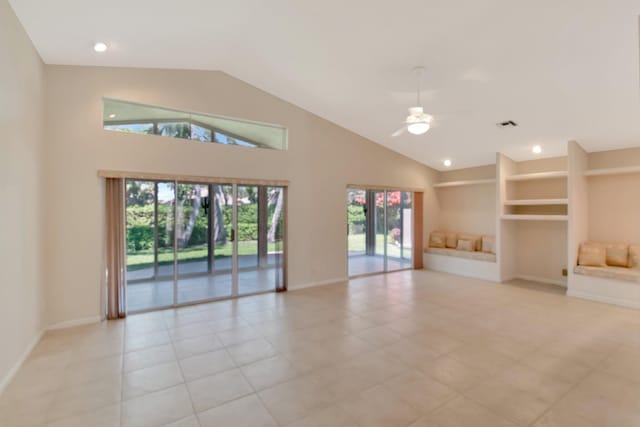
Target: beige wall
(322,159)
(614,200)
(469,209)
(21,314)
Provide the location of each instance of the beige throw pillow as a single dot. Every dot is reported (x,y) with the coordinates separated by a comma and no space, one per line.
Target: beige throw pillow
(592,254)
(451,240)
(465,245)
(475,239)
(488,243)
(437,239)
(617,254)
(634,257)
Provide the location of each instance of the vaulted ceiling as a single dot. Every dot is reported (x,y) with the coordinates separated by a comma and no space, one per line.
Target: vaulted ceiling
(561,69)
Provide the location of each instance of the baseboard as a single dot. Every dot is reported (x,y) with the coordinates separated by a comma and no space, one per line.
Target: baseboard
(541,280)
(605,300)
(14,370)
(319,283)
(75,322)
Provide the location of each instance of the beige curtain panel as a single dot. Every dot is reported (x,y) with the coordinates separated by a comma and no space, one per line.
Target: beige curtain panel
(115,248)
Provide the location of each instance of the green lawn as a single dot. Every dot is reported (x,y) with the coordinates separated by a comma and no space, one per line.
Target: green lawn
(357,243)
(143,259)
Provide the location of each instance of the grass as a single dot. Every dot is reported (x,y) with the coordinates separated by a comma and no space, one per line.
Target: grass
(143,259)
(357,244)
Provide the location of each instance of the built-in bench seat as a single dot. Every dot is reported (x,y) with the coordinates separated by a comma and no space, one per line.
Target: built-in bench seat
(608,272)
(469,255)
(478,256)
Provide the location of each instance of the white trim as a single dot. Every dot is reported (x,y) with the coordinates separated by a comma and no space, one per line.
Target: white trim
(74,322)
(538,175)
(613,171)
(464,183)
(603,299)
(16,367)
(557,282)
(319,283)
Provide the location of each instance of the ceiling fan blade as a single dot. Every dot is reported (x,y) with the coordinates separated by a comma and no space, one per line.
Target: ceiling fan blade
(399,131)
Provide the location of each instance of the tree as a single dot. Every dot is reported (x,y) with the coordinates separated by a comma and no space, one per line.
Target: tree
(192,193)
(277,213)
(219,201)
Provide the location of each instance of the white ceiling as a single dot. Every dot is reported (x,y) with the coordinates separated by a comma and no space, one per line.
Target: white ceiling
(561,69)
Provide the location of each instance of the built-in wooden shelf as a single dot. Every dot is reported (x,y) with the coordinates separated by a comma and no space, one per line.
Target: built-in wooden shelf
(536,202)
(613,171)
(538,175)
(462,183)
(535,217)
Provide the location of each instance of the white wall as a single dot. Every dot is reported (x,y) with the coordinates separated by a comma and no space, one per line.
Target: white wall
(21,312)
(322,159)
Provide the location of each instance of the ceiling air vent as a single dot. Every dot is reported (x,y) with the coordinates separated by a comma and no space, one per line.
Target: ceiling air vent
(508,123)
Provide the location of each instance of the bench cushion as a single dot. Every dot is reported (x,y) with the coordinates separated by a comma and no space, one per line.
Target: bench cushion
(617,254)
(592,254)
(616,273)
(634,257)
(478,256)
(437,239)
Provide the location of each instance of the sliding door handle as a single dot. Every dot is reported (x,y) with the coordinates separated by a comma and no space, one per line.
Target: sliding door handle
(233,235)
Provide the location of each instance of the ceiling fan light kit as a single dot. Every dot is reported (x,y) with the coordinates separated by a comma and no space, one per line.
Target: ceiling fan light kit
(417,122)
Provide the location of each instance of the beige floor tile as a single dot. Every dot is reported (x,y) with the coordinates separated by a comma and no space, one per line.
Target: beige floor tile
(624,363)
(581,348)
(410,353)
(605,400)
(245,412)
(205,364)
(251,351)
(140,341)
(565,369)
(190,421)
(85,397)
(158,408)
(197,345)
(25,412)
(558,418)
(151,379)
(190,330)
(295,399)
(420,391)
(379,335)
(238,335)
(453,373)
(148,357)
(462,412)
(269,372)
(378,407)
(520,393)
(332,416)
(214,390)
(481,357)
(436,340)
(82,372)
(104,417)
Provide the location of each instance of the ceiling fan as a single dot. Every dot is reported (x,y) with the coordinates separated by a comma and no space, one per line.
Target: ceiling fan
(417,122)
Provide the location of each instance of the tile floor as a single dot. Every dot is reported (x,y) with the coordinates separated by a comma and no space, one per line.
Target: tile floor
(404,349)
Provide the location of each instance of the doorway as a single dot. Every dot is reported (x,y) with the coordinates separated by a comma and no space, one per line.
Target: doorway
(379,231)
(190,242)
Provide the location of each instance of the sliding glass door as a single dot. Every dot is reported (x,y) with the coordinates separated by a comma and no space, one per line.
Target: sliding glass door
(379,231)
(189,242)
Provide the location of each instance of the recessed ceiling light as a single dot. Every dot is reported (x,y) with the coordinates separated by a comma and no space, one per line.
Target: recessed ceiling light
(100,47)
(447,163)
(112,116)
(536,149)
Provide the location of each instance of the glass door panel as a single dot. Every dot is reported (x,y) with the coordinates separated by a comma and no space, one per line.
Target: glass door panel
(398,230)
(357,230)
(378,245)
(379,231)
(150,236)
(228,241)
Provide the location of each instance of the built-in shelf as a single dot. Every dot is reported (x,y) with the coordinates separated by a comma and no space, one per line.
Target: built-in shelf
(538,175)
(536,202)
(535,217)
(613,171)
(461,183)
